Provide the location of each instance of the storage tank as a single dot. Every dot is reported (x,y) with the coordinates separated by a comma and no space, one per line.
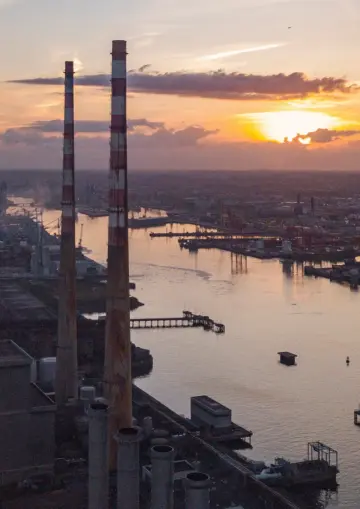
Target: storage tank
(87,393)
(47,370)
(159,441)
(147,425)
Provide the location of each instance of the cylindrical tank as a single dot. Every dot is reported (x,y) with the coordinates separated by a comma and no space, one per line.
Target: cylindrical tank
(147,425)
(128,468)
(98,485)
(159,441)
(197,465)
(47,370)
(197,486)
(87,393)
(162,477)
(160,433)
(100,399)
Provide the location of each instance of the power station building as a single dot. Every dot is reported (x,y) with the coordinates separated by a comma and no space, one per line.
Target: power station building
(27,419)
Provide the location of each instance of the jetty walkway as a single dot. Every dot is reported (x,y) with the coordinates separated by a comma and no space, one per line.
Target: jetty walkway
(187,320)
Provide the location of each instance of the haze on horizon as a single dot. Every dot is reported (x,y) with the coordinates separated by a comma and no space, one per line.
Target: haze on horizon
(238,85)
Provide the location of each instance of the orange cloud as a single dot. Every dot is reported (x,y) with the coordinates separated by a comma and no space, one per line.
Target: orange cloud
(325,135)
(192,148)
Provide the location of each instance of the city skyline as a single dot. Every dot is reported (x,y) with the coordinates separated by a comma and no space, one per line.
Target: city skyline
(241,85)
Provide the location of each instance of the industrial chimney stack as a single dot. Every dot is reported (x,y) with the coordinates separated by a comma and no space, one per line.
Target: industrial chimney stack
(66,357)
(117,368)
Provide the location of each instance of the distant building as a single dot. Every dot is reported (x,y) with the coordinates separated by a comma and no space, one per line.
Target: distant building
(27,419)
(3,198)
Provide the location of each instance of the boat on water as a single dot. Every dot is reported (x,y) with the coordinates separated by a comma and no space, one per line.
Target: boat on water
(320,468)
(146,222)
(285,473)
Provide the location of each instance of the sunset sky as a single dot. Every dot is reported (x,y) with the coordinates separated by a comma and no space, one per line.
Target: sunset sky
(236,84)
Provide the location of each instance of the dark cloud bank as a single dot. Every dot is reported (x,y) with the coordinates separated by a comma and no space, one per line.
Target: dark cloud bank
(324,136)
(47,132)
(215,85)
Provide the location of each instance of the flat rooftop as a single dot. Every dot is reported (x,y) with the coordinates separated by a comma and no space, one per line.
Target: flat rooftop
(211,405)
(12,355)
(20,305)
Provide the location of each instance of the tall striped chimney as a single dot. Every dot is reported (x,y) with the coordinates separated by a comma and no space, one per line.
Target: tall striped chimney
(117,368)
(66,385)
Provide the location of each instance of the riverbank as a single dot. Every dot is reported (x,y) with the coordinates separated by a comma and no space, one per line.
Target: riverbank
(296,255)
(90,294)
(266,310)
(348,273)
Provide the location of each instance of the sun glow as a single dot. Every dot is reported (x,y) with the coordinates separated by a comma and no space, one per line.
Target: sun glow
(281,125)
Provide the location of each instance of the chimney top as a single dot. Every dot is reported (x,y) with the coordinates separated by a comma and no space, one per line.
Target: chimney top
(69,67)
(118,50)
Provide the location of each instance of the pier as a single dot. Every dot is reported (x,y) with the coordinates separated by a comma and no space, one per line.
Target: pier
(187,320)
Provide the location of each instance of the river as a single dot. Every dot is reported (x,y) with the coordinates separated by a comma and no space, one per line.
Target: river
(265,310)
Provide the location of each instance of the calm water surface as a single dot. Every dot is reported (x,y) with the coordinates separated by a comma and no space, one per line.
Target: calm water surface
(265,311)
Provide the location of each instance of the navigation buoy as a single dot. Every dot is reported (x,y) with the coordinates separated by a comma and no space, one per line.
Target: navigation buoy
(347,360)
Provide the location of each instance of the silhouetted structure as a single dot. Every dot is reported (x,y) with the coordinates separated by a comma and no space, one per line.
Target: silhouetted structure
(26,419)
(66,376)
(117,368)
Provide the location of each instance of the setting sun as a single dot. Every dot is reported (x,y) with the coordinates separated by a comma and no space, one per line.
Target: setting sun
(278,125)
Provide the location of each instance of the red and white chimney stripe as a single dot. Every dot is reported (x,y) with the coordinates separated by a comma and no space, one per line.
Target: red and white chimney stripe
(118,148)
(66,365)
(68,194)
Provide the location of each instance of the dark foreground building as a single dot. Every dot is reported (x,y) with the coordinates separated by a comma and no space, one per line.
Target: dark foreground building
(27,419)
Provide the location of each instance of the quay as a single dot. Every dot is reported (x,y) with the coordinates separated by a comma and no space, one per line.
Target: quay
(244,489)
(216,234)
(242,246)
(356,417)
(349,272)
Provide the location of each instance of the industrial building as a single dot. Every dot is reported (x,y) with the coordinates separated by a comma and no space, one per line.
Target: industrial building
(3,198)
(207,412)
(27,419)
